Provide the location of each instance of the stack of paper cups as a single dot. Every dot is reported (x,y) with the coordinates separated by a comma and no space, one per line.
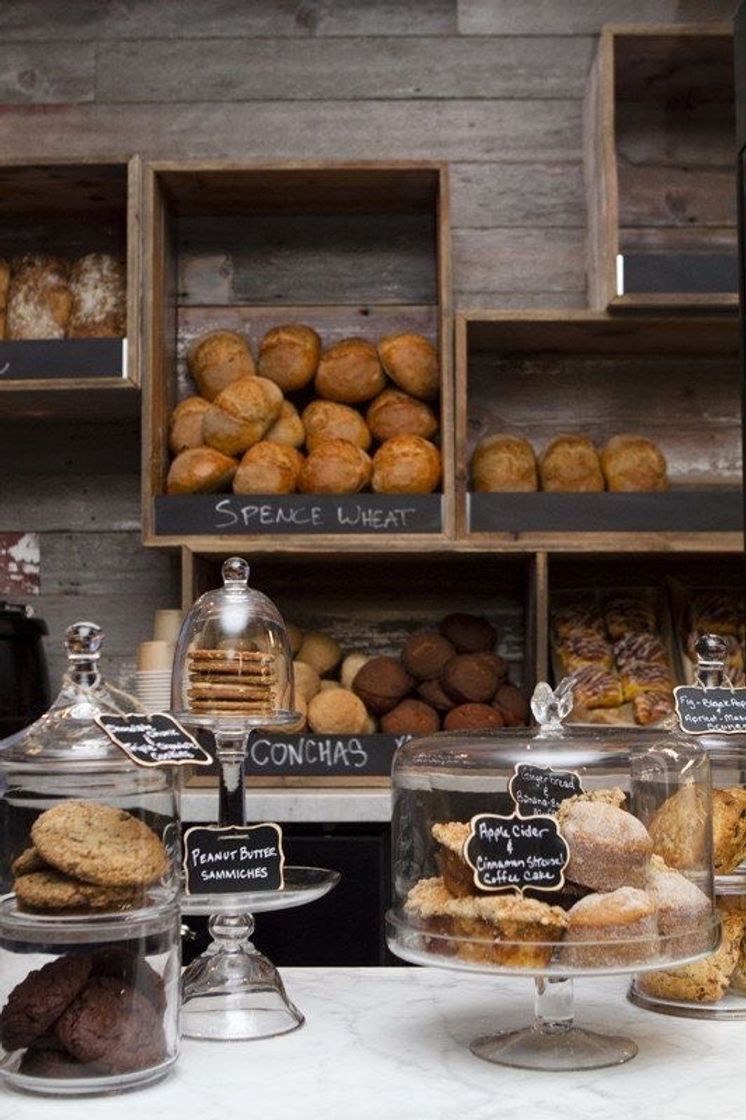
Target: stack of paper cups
(153,677)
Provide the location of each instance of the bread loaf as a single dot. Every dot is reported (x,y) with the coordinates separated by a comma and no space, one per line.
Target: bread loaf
(98,287)
(38,298)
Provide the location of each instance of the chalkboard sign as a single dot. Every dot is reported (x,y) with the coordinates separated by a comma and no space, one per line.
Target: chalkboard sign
(540,789)
(373,514)
(311,756)
(705,710)
(677,272)
(516,853)
(232,859)
(51,359)
(154,740)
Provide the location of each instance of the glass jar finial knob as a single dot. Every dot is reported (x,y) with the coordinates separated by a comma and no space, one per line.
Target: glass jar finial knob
(235,572)
(84,640)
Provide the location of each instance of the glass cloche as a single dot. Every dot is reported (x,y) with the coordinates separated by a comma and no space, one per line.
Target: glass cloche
(535,852)
(83,829)
(233,664)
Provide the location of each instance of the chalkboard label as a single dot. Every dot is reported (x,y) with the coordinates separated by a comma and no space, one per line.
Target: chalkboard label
(516,853)
(231,514)
(154,740)
(310,756)
(702,711)
(540,789)
(233,859)
(50,359)
(666,273)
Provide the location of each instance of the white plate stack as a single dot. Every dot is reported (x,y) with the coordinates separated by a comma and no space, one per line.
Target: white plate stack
(155,662)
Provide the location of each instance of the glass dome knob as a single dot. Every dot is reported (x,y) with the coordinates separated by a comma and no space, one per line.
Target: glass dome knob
(550,706)
(83,639)
(711,649)
(235,573)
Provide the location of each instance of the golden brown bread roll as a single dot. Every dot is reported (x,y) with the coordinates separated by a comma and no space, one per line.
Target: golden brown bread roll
(412,362)
(98,289)
(241,414)
(504,464)
(335,466)
(288,427)
(268,468)
(217,359)
(350,372)
(406,465)
(200,470)
(289,356)
(570,464)
(320,651)
(337,712)
(38,298)
(185,429)
(633,463)
(394,413)
(306,680)
(325,420)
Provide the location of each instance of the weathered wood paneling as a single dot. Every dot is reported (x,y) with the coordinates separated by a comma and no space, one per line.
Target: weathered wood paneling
(530,260)
(46,72)
(580,17)
(486,195)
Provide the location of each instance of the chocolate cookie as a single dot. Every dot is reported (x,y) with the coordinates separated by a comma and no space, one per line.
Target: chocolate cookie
(473,677)
(52,892)
(36,1003)
(469,633)
(99,844)
(112,1026)
(131,968)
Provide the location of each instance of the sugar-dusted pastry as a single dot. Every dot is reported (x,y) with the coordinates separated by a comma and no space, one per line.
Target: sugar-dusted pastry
(351,666)
(633,463)
(335,466)
(485,929)
(705,981)
(411,361)
(217,359)
(185,426)
(39,298)
(620,928)
(728,829)
(350,372)
(625,616)
(578,650)
(609,847)
(432,693)
(241,414)
(394,413)
(571,464)
(458,877)
(289,356)
(406,465)
(98,290)
(612,795)
(200,470)
(324,420)
(680,829)
(683,909)
(268,468)
(504,463)
(595,687)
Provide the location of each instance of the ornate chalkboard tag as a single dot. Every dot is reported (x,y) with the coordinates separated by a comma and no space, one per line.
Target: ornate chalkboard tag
(516,853)
(233,859)
(702,711)
(540,789)
(154,740)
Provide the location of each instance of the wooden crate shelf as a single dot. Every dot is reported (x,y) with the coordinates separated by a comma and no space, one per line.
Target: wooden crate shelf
(660,168)
(674,379)
(69,209)
(350,249)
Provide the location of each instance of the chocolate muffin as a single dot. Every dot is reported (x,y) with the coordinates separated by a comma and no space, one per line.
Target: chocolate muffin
(432,693)
(472,717)
(512,705)
(473,677)
(468,633)
(411,717)
(382,683)
(425,654)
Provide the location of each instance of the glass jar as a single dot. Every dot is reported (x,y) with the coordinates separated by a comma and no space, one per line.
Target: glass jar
(84,827)
(88,1004)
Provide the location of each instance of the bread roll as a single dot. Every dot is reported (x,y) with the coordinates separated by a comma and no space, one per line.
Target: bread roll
(289,356)
(268,468)
(38,298)
(4,285)
(504,464)
(570,464)
(200,470)
(307,680)
(351,666)
(217,359)
(335,466)
(412,362)
(185,429)
(406,465)
(337,712)
(325,420)
(350,372)
(320,651)
(288,427)
(394,413)
(98,287)
(633,463)
(241,414)
(295,637)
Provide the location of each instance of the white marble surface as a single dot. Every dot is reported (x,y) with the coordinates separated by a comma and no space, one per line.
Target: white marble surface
(391,1044)
(306,806)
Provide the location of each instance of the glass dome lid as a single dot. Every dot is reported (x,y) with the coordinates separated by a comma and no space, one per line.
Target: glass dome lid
(233,664)
(67,733)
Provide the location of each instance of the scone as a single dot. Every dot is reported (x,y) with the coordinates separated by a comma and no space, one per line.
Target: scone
(679,829)
(704,981)
(609,847)
(621,928)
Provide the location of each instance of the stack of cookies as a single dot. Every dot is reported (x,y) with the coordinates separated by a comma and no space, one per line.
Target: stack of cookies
(232,682)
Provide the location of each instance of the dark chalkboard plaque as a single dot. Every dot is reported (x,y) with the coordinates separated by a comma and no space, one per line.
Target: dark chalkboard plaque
(373,514)
(540,789)
(53,359)
(668,273)
(516,853)
(313,756)
(233,858)
(154,740)
(705,710)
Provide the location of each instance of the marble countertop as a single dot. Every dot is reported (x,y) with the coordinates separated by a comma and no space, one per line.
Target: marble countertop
(308,805)
(391,1044)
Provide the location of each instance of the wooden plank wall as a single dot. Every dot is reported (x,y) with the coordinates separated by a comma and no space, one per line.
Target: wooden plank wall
(493,86)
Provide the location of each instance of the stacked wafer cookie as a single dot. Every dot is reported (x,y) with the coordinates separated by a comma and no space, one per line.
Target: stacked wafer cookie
(241,681)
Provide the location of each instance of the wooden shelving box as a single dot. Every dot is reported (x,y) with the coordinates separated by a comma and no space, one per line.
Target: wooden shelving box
(541,373)
(350,249)
(660,168)
(68,209)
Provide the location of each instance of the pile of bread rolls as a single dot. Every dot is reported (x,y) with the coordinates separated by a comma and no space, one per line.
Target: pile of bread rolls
(505,463)
(44,297)
(449,678)
(243,431)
